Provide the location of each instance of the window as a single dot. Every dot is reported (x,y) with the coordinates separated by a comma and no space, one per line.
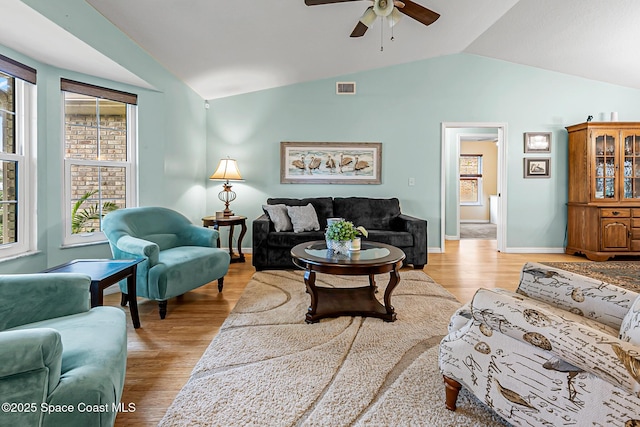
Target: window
(471,179)
(17,139)
(99,157)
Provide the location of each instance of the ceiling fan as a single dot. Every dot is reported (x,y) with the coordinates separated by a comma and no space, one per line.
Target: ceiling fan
(389,9)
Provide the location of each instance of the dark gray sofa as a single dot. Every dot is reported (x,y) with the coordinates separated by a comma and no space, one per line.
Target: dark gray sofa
(381,217)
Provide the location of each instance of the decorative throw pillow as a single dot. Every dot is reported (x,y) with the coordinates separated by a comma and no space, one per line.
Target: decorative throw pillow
(278,216)
(303,218)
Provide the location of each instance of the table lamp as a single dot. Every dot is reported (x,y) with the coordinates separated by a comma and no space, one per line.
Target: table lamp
(227,170)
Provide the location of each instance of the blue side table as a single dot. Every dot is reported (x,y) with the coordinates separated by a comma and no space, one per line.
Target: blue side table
(104,273)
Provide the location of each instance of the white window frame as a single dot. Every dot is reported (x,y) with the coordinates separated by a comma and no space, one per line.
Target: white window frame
(25,135)
(131,171)
(478,179)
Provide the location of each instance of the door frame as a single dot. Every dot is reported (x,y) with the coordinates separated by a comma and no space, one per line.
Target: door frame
(447,165)
(468,137)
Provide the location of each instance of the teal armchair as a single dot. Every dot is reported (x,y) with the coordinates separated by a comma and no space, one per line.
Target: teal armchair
(179,256)
(59,359)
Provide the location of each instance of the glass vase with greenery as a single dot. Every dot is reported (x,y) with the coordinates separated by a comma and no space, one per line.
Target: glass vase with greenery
(344,230)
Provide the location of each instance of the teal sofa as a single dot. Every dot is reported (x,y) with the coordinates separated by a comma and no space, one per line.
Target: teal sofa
(178,255)
(62,363)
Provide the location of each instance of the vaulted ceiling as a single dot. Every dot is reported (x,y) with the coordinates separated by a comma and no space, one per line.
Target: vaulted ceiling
(224,48)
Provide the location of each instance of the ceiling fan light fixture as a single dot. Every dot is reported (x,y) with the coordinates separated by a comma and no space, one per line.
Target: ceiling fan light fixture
(394,17)
(368,17)
(383,8)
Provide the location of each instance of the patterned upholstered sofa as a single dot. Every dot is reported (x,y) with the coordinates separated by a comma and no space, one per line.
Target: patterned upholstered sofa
(381,217)
(564,349)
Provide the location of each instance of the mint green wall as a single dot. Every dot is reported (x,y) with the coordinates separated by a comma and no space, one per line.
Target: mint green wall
(403,107)
(171,133)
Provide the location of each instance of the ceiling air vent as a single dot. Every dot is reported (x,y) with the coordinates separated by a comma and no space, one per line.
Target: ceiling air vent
(346,88)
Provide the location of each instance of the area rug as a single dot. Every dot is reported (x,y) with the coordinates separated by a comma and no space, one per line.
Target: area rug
(625,274)
(267,367)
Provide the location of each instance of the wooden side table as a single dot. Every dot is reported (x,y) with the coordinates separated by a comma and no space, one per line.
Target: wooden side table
(231,222)
(104,273)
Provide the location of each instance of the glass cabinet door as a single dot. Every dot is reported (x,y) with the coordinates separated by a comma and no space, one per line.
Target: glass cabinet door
(605,164)
(631,163)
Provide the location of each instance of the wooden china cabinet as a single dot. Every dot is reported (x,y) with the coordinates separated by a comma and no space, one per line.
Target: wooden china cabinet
(604,189)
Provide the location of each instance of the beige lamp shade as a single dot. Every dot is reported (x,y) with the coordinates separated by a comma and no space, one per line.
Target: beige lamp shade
(227,170)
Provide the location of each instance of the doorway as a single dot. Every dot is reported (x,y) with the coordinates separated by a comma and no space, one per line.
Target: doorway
(478,187)
(458,139)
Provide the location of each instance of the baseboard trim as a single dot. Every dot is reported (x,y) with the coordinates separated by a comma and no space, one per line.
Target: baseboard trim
(113,289)
(235,249)
(534,250)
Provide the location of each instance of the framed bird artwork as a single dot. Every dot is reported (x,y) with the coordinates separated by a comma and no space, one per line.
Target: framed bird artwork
(330,162)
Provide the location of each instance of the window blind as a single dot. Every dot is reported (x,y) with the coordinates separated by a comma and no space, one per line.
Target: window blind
(98,92)
(17,69)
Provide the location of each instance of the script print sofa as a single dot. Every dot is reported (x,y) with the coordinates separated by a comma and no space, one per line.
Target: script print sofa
(62,363)
(564,349)
(381,217)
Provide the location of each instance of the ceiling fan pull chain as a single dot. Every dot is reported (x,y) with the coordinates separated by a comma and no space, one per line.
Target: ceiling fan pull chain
(381,34)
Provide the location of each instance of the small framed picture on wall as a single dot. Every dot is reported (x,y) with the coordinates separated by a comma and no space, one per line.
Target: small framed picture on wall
(537,142)
(537,168)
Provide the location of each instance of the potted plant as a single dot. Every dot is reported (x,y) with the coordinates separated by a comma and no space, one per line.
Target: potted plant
(82,220)
(343,236)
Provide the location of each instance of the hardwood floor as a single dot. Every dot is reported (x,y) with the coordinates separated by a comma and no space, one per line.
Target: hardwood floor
(468,265)
(162,353)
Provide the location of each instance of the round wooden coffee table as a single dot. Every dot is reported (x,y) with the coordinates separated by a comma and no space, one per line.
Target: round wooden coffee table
(373,258)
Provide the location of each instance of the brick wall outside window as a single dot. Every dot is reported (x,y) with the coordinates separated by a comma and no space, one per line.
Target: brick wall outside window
(8,219)
(82,142)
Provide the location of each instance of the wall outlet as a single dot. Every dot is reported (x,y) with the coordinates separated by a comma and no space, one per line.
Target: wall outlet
(412,182)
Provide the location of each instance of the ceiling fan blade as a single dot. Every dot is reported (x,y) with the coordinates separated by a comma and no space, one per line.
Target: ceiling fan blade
(367,18)
(359,30)
(317,2)
(419,13)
